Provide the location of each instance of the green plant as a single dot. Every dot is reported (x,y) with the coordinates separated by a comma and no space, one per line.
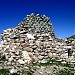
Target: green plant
(64,72)
(4,72)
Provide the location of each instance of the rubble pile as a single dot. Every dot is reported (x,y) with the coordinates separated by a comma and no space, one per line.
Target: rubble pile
(33,40)
(71,52)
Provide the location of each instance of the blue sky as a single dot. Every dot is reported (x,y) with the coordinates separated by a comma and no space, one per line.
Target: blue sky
(61,13)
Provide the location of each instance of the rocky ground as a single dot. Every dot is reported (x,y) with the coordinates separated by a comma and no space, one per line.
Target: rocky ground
(33,41)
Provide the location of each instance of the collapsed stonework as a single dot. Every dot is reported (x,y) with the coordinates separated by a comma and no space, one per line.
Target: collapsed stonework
(33,40)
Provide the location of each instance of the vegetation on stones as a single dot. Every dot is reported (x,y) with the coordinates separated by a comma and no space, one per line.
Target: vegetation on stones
(50,62)
(64,72)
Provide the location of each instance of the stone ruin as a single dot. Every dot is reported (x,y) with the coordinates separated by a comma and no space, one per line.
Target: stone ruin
(33,40)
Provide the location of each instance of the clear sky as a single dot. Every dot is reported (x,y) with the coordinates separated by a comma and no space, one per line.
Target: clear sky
(61,13)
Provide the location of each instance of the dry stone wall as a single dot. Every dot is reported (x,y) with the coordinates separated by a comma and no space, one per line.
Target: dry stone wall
(33,40)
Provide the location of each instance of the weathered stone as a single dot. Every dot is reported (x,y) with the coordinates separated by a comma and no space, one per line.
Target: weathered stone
(45,57)
(21,61)
(23,45)
(34,47)
(28,49)
(13,71)
(42,53)
(54,55)
(26,56)
(50,55)
(40,57)
(30,36)
(63,62)
(59,60)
